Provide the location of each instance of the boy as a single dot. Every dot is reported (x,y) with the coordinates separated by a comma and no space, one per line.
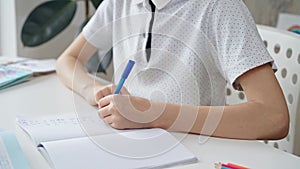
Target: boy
(185,52)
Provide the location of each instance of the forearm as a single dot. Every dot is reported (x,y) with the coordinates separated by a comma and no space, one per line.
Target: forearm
(73,74)
(251,120)
(71,70)
(259,118)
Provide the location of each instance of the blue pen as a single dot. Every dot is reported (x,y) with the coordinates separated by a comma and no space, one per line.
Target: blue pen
(124,76)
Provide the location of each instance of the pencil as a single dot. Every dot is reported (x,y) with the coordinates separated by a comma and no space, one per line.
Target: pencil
(228,166)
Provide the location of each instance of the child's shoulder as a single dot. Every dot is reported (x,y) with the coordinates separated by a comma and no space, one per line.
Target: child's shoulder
(226,3)
(218,4)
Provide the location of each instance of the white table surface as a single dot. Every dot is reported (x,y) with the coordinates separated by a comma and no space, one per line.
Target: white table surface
(46,95)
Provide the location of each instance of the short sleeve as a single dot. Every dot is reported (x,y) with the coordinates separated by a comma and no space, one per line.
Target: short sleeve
(235,37)
(98,30)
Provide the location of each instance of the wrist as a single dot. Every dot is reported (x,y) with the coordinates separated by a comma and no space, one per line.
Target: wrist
(88,92)
(160,111)
(146,112)
(166,114)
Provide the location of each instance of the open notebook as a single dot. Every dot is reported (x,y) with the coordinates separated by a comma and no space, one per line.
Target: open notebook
(66,146)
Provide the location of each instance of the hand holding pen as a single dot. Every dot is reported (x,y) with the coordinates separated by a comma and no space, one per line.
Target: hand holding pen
(132,107)
(98,92)
(101,91)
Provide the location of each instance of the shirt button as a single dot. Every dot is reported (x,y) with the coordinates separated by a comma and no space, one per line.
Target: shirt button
(144,35)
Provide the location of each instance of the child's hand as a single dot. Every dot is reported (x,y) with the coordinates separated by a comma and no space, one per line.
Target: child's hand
(109,90)
(125,111)
(96,93)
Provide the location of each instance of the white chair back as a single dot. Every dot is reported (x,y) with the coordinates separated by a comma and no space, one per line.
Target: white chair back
(284,47)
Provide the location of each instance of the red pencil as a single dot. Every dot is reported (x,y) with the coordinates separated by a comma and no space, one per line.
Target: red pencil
(233,166)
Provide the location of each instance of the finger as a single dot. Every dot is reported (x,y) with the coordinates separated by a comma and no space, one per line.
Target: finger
(116,126)
(104,112)
(105,91)
(104,101)
(101,93)
(98,95)
(124,91)
(108,120)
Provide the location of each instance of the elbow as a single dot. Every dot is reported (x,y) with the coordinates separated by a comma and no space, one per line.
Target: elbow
(62,64)
(274,121)
(58,64)
(280,125)
(283,125)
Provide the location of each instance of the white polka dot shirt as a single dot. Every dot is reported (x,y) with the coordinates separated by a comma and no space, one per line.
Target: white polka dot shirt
(197,46)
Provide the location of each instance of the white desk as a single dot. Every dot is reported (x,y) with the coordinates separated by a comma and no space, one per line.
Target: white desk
(46,95)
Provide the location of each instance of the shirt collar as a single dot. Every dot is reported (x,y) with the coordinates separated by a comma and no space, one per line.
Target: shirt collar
(158,3)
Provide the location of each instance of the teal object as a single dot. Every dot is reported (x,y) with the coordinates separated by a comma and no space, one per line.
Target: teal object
(225,167)
(14,150)
(296,31)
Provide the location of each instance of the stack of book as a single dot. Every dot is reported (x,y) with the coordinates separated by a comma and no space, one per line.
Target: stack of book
(15,70)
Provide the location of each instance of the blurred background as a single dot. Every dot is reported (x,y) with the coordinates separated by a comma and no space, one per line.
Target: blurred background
(267,12)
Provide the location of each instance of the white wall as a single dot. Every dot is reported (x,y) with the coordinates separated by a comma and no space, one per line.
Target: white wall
(8,39)
(13,14)
(266,11)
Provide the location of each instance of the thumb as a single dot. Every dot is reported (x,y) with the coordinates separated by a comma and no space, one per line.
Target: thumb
(124,91)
